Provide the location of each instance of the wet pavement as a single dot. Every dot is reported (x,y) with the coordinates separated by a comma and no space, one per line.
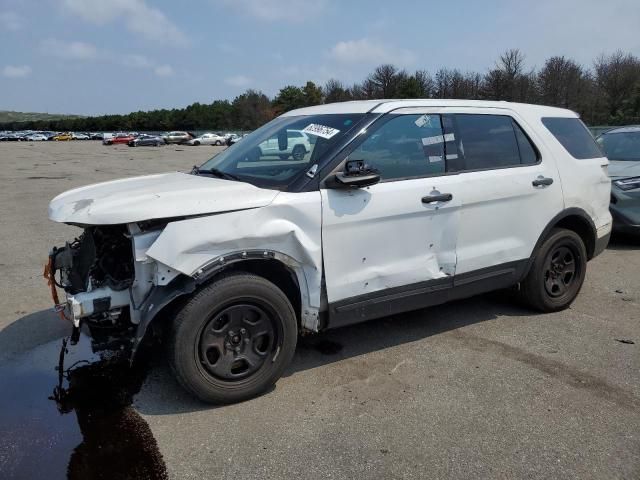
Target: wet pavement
(77,423)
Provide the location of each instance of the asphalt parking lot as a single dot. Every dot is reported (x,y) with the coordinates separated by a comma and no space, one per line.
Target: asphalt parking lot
(480,388)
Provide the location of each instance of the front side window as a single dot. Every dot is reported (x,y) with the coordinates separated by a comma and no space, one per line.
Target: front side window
(624,146)
(405,146)
(573,136)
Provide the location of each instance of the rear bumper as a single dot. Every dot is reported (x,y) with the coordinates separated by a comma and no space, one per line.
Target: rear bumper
(601,244)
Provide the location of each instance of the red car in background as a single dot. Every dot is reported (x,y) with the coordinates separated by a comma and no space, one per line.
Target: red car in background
(124,138)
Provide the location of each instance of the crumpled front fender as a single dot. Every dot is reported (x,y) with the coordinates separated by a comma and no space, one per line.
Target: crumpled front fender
(289,229)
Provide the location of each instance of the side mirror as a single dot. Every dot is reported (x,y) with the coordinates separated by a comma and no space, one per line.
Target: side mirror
(283,140)
(356,175)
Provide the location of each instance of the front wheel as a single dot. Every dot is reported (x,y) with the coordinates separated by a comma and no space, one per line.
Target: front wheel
(233,339)
(557,272)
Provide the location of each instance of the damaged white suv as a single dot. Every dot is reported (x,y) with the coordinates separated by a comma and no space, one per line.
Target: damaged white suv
(397,205)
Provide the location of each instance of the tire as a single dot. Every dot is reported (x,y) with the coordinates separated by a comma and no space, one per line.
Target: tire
(218,143)
(557,272)
(218,348)
(196,143)
(298,152)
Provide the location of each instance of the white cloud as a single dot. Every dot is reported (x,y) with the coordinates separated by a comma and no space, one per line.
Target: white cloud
(11,21)
(136,61)
(278,10)
(238,81)
(163,70)
(70,50)
(139,18)
(368,51)
(16,71)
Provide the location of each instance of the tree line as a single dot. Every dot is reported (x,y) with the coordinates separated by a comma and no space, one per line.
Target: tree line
(606,93)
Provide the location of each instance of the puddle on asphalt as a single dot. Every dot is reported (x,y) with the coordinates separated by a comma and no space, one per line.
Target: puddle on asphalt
(85,430)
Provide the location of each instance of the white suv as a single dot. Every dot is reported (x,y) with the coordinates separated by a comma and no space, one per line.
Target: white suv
(296,145)
(398,205)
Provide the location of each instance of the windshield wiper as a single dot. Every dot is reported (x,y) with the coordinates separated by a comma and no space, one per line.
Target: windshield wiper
(216,173)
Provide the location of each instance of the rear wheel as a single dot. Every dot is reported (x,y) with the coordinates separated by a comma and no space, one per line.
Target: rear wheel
(218,143)
(557,272)
(196,143)
(233,339)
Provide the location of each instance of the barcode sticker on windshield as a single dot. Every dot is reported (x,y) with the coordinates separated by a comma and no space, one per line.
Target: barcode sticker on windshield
(320,130)
(424,120)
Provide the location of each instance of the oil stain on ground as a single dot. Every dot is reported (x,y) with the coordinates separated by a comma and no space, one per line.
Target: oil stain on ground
(81,428)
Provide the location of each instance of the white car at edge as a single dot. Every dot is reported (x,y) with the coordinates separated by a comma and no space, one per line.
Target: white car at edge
(397,205)
(208,139)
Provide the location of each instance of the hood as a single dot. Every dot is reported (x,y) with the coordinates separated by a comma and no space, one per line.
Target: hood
(623,169)
(153,197)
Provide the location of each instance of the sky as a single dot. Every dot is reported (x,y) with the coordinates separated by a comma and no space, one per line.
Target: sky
(95,57)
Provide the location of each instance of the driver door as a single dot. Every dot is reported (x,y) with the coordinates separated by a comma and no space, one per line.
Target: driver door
(392,244)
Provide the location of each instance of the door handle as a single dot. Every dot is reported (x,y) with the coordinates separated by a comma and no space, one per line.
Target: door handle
(542,181)
(440,197)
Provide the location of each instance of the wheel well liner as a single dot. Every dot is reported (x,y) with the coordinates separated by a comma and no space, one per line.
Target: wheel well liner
(272,270)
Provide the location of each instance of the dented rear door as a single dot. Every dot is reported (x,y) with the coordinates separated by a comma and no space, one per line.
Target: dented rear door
(402,231)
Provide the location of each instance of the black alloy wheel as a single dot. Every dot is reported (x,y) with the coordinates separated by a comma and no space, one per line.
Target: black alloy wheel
(233,339)
(235,342)
(560,271)
(557,272)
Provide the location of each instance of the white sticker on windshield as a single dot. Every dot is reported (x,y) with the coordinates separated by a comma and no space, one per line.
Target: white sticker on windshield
(434,159)
(320,130)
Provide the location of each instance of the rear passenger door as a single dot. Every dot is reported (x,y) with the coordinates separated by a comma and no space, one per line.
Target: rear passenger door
(511,192)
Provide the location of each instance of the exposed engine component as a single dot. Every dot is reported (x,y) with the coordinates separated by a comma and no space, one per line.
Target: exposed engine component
(100,257)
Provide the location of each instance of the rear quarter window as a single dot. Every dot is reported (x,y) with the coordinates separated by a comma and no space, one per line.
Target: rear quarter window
(573,136)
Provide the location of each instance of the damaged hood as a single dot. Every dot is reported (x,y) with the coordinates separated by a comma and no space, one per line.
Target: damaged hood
(623,169)
(153,197)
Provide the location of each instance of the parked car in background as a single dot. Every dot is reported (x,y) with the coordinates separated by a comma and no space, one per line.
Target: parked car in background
(36,137)
(399,205)
(146,141)
(96,136)
(118,138)
(63,137)
(79,136)
(622,147)
(177,137)
(296,146)
(231,138)
(208,139)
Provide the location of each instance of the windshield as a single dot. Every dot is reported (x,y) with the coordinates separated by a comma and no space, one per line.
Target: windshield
(621,146)
(278,152)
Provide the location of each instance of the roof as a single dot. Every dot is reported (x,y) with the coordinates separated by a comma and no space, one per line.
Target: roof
(387,105)
(627,129)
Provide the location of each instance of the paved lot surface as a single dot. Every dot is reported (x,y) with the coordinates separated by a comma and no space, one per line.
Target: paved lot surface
(476,389)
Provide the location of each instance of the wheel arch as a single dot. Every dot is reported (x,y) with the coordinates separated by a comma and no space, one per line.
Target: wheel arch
(576,220)
(168,299)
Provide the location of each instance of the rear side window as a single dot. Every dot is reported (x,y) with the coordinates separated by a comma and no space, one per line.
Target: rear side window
(573,136)
(489,141)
